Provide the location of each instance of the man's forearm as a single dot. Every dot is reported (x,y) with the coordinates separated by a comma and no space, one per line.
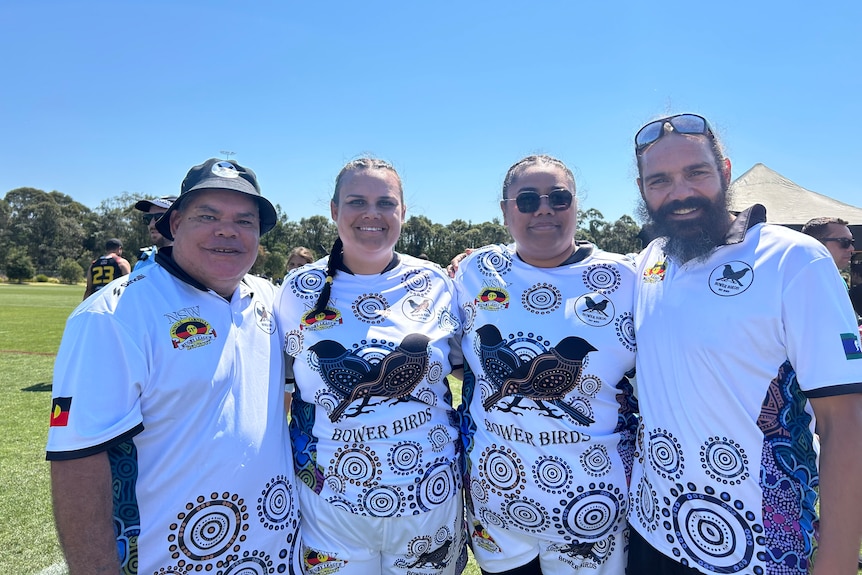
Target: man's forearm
(83,513)
(840,488)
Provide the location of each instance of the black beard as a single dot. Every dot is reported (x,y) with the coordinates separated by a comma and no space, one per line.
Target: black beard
(691,239)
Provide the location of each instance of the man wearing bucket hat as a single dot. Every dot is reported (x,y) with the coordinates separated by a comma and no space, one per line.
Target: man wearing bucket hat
(153,210)
(176,458)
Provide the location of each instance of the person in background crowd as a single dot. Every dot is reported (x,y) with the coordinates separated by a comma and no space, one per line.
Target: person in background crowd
(835,235)
(856,288)
(105,269)
(153,210)
(298,257)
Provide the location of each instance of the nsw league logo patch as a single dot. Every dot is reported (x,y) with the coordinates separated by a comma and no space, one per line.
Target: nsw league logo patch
(327,318)
(60,411)
(320,562)
(492,298)
(850,341)
(191,332)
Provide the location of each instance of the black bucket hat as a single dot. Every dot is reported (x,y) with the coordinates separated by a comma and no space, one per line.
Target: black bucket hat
(215,174)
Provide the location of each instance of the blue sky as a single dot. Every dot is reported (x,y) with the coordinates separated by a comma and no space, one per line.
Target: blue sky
(105,97)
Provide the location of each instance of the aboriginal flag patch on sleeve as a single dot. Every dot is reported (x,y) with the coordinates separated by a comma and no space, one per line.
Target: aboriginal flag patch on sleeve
(851,346)
(60,411)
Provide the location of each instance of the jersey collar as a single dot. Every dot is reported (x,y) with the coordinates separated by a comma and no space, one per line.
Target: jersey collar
(165,258)
(744,221)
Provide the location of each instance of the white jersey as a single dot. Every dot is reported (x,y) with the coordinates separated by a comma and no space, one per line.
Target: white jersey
(184,391)
(549,423)
(729,351)
(372,417)
(147,258)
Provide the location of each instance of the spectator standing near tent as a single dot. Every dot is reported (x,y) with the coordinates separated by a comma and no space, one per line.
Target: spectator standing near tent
(835,235)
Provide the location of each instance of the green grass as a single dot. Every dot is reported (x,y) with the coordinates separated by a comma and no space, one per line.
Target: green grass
(31,324)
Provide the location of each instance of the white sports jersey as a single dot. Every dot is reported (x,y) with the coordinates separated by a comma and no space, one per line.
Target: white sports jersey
(549,425)
(372,417)
(729,351)
(147,258)
(184,390)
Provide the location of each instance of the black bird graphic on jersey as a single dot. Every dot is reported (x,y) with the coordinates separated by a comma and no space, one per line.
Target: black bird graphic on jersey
(436,558)
(394,377)
(734,276)
(599,307)
(340,369)
(584,550)
(548,377)
(498,360)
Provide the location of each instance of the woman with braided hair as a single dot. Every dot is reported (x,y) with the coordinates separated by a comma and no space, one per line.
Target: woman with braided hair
(370,335)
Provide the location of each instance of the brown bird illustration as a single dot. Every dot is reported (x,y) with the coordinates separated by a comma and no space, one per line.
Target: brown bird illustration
(394,377)
(548,377)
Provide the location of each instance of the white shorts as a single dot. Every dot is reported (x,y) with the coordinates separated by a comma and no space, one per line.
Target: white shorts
(337,541)
(497,550)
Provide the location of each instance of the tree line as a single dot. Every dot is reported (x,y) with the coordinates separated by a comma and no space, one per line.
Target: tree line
(49,234)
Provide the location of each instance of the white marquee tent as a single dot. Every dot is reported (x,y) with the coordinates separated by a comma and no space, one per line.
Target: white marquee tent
(787,203)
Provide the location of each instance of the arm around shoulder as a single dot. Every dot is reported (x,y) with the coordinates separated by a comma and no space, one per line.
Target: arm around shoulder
(83,513)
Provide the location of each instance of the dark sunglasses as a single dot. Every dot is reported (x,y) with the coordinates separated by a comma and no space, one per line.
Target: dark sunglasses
(529,201)
(682,123)
(151,218)
(843,242)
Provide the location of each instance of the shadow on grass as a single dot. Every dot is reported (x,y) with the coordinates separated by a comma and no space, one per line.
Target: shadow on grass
(46,386)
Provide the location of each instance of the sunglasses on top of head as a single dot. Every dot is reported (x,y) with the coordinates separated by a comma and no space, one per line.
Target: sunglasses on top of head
(681,123)
(529,201)
(843,242)
(151,218)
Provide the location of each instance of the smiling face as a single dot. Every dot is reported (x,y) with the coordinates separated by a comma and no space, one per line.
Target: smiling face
(368,212)
(546,237)
(216,236)
(685,194)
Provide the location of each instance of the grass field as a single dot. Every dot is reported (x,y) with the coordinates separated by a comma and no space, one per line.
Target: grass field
(31,324)
(32,318)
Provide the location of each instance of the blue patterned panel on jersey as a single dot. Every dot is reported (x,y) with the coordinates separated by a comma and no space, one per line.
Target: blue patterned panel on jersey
(788,475)
(627,423)
(304,443)
(123,458)
(468,424)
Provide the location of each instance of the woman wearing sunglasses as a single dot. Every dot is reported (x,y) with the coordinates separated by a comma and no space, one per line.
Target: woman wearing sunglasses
(371,335)
(548,414)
